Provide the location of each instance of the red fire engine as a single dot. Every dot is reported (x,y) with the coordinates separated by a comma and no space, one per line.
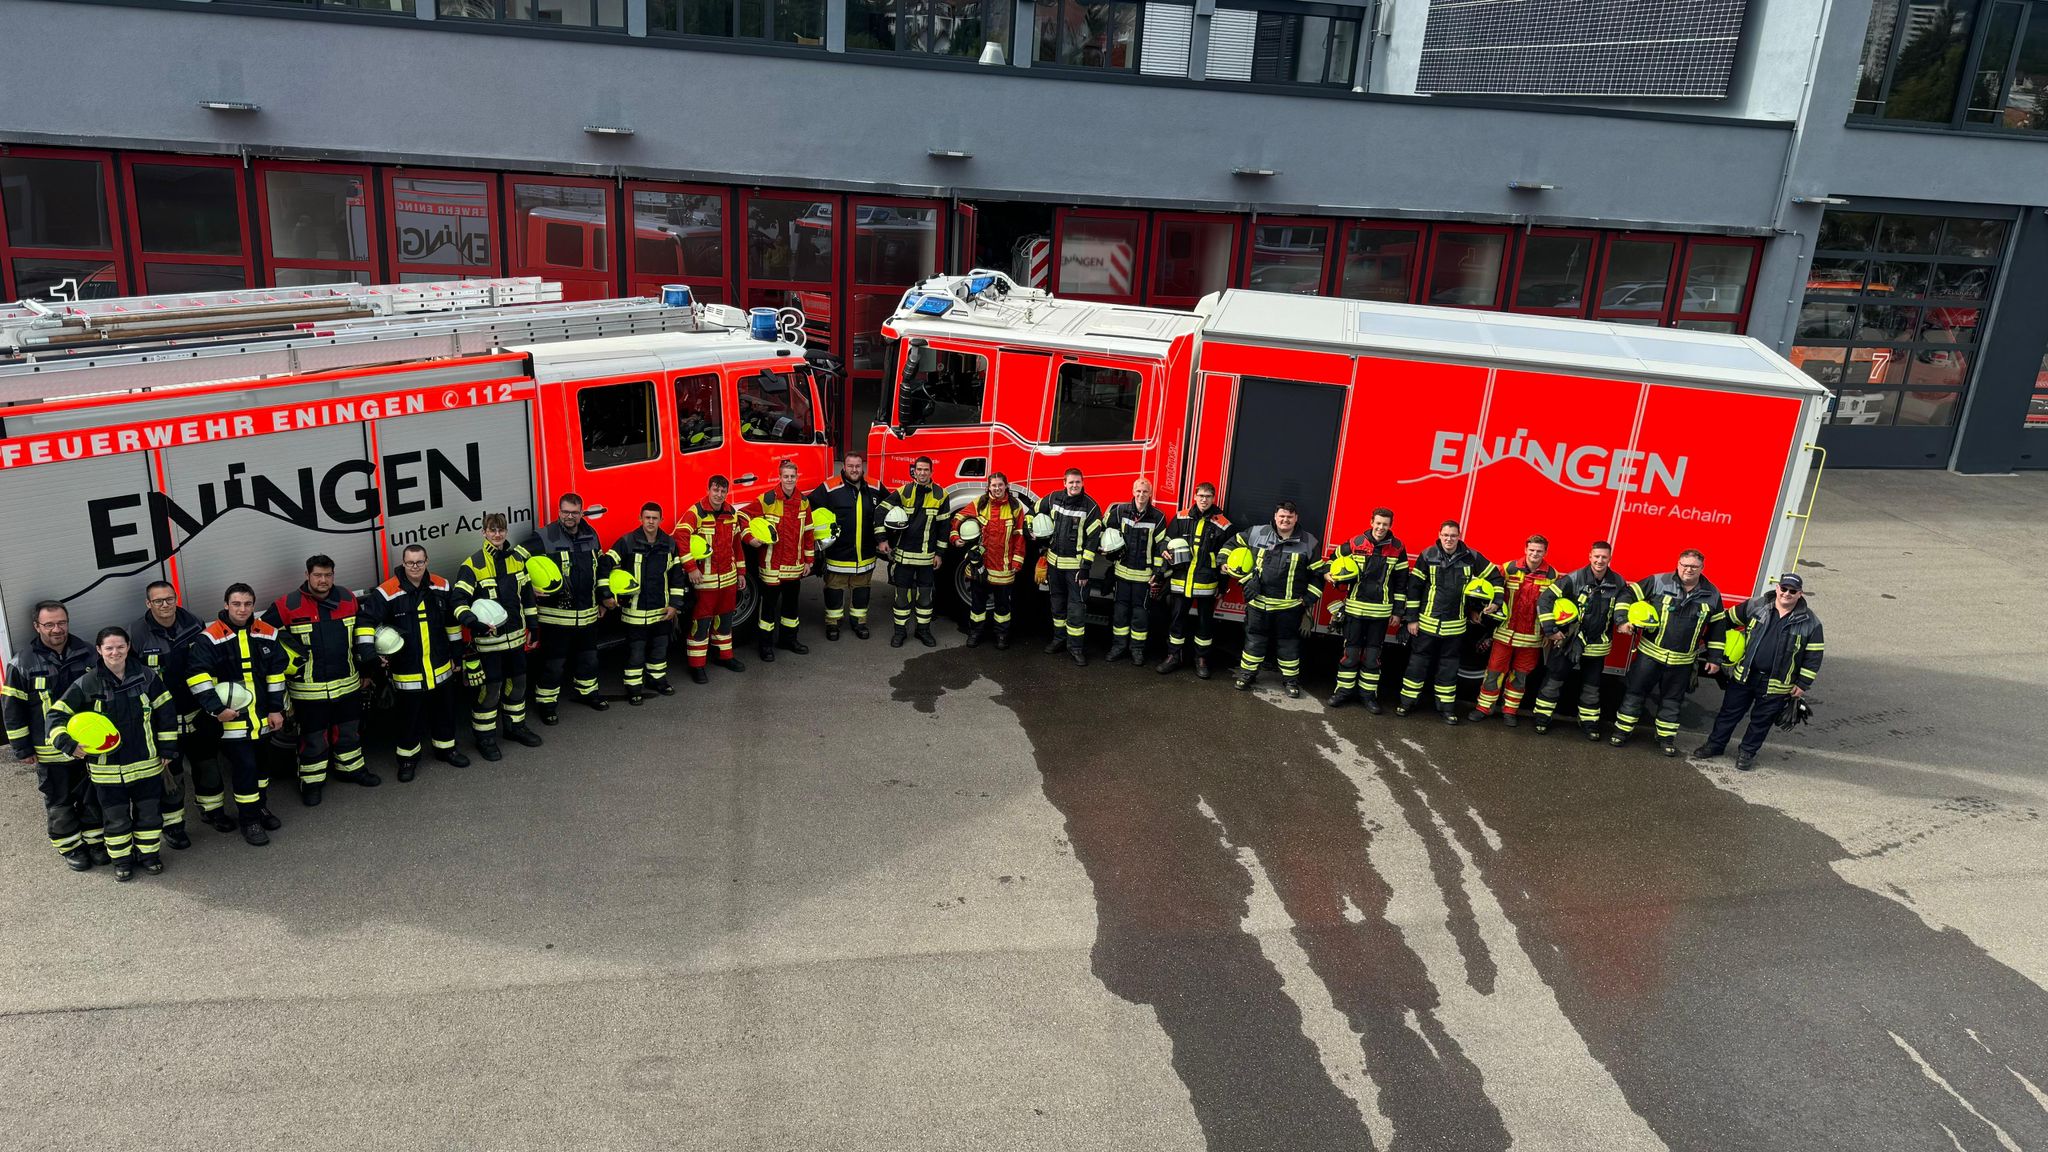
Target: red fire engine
(1655,439)
(225,437)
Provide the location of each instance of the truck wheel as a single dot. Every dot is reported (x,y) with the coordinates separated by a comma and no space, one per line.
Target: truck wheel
(954,590)
(747,604)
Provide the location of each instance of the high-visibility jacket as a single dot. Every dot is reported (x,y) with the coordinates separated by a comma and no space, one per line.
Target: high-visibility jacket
(1200,574)
(167,651)
(657,566)
(858,508)
(253,656)
(1076,529)
(1144,552)
(500,575)
(789,555)
(578,602)
(1602,603)
(142,711)
(1001,543)
(720,529)
(1382,575)
(1688,623)
(1436,587)
(321,631)
(918,543)
(424,614)
(36,680)
(1285,573)
(1522,588)
(1795,661)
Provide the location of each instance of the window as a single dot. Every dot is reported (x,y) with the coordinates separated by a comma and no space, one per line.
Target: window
(679,236)
(1380,263)
(697,423)
(1098,255)
(1975,63)
(938,27)
(1465,268)
(893,244)
(192,215)
(1289,257)
(942,388)
(1636,285)
(316,223)
(395,7)
(775,407)
(443,226)
(1191,257)
(1095,405)
(1553,273)
(609,14)
(1087,35)
(786,21)
(560,228)
(2037,408)
(619,424)
(789,240)
(57,228)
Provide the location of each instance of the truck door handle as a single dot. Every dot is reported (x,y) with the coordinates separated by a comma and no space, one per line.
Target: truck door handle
(974,466)
(747,478)
(593,512)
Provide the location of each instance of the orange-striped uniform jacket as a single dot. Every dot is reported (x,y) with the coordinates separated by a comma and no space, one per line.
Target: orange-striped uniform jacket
(1523,586)
(789,520)
(721,532)
(1002,535)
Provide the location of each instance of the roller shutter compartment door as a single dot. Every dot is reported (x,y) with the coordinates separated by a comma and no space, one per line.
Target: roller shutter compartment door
(80,532)
(442,471)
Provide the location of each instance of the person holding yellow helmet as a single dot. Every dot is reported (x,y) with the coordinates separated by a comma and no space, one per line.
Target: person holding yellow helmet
(1281,570)
(569,615)
(417,607)
(1772,670)
(1577,615)
(498,574)
(781,529)
(1440,617)
(1137,560)
(1517,639)
(991,531)
(643,572)
(917,519)
(858,537)
(40,673)
(138,727)
(713,532)
(1075,520)
(1681,623)
(1373,575)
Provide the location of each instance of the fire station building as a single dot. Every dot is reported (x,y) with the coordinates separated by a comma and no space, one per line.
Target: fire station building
(1859,184)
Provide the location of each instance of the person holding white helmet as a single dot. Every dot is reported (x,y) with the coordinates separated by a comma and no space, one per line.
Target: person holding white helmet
(239,665)
(781,528)
(1440,580)
(138,729)
(1372,569)
(855,539)
(1577,615)
(1678,622)
(494,583)
(41,671)
(1134,539)
(409,628)
(569,613)
(643,569)
(1279,565)
(1194,580)
(1069,524)
(991,530)
(916,518)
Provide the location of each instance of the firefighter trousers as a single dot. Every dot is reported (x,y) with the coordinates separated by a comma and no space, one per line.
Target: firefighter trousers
(70,805)
(1747,698)
(1194,617)
(1365,641)
(1277,631)
(779,616)
(1068,598)
(840,587)
(1507,676)
(1562,668)
(197,764)
(135,815)
(711,624)
(1432,659)
(501,689)
(566,650)
(424,714)
(1649,679)
(245,779)
(647,653)
(983,596)
(1130,614)
(330,737)
(915,585)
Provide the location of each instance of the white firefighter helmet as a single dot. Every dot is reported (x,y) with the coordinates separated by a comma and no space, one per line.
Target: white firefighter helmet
(234,694)
(1041,526)
(896,517)
(389,641)
(970,528)
(1112,540)
(1177,550)
(489,613)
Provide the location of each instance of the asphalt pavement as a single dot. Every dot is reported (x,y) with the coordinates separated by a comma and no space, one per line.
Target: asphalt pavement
(872,898)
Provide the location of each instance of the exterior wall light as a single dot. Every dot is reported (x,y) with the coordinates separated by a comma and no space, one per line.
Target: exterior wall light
(230,106)
(1254,171)
(1530,186)
(948,154)
(607,130)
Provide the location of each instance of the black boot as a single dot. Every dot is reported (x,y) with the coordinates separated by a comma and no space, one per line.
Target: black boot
(860,629)
(98,852)
(524,735)
(407,769)
(1668,746)
(1510,719)
(548,715)
(452,757)
(1138,656)
(925,637)
(78,860)
(1118,649)
(897,637)
(974,637)
(595,702)
(176,837)
(361,777)
(790,643)
(661,685)
(1201,667)
(266,817)
(1745,761)
(1056,644)
(1591,732)
(1541,724)
(1080,657)
(487,747)
(1293,688)
(634,697)
(219,820)
(832,632)
(698,675)
(311,794)
(767,653)
(1002,641)
(1339,698)
(124,871)
(1171,664)
(150,862)
(1372,702)
(252,830)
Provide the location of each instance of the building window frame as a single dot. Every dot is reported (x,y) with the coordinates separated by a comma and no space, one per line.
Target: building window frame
(131,212)
(1060,43)
(343,269)
(640,282)
(1335,14)
(578,282)
(115,254)
(500,12)
(928,14)
(1440,233)
(1247,265)
(1594,257)
(1979,23)
(401,266)
(735,17)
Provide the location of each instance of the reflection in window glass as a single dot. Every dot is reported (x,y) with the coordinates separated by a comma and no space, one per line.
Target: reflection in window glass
(1978,239)
(1464,268)
(789,240)
(1847,231)
(1916,235)
(1192,258)
(681,235)
(817,307)
(697,422)
(1823,320)
(940,27)
(1949,326)
(1379,264)
(194,277)
(1987,84)
(1087,35)
(188,211)
(1887,322)
(619,424)
(1288,258)
(1095,405)
(1876,58)
(1822,363)
(1928,409)
(570,13)
(1939,368)
(1638,272)
(1098,256)
(1927,71)
(555,226)
(2037,408)
(442,222)
(318,216)
(53,203)
(1554,271)
(1865,408)
(89,279)
(942,388)
(894,244)
(304,277)
(1961,281)
(871,310)
(1295,48)
(1830,277)
(1897,278)
(775,407)
(1717,277)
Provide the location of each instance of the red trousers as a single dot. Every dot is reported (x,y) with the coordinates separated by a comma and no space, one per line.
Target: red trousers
(1511,664)
(711,624)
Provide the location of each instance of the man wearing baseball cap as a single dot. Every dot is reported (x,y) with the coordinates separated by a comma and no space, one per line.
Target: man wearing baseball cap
(1780,648)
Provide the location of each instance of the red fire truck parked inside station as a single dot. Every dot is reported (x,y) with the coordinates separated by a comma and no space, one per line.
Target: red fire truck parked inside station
(226,436)
(1656,439)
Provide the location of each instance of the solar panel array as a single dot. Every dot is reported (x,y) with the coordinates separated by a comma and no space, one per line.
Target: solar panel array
(1581,47)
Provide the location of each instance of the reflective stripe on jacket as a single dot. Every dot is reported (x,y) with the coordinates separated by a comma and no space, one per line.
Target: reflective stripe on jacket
(35,681)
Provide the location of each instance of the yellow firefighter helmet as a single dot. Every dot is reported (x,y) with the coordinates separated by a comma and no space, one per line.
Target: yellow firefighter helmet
(95,734)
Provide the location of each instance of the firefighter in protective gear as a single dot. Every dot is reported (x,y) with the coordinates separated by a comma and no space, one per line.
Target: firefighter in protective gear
(916,541)
(856,507)
(1136,566)
(994,556)
(784,513)
(128,777)
(1193,580)
(569,614)
(420,607)
(237,648)
(1371,600)
(1686,622)
(1577,615)
(1778,662)
(42,671)
(162,639)
(714,572)
(1283,581)
(1076,527)
(644,571)
(1438,617)
(497,664)
(317,621)
(1517,639)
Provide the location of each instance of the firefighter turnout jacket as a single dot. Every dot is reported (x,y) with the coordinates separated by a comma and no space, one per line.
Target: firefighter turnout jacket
(424,614)
(252,656)
(1601,602)
(1382,575)
(792,544)
(1205,532)
(1688,623)
(578,602)
(500,575)
(1787,648)
(36,680)
(1000,547)
(167,651)
(1521,592)
(1076,529)
(1285,570)
(657,568)
(142,712)
(1144,550)
(320,630)
(917,543)
(1436,587)
(858,509)
(720,529)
